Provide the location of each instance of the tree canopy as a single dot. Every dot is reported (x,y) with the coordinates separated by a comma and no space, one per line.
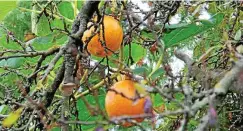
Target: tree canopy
(52,78)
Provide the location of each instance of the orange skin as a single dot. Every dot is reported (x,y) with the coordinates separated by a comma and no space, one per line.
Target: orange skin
(113,38)
(116,105)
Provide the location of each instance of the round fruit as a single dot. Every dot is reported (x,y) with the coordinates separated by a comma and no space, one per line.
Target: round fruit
(113,38)
(118,101)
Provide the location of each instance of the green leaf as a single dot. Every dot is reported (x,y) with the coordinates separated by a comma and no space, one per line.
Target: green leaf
(24,3)
(238,35)
(56,23)
(101,4)
(66,9)
(179,96)
(192,125)
(157,100)
(18,22)
(212,7)
(80,4)
(1,32)
(84,114)
(173,26)
(140,71)
(180,34)
(60,39)
(42,26)
(147,35)
(158,73)
(12,62)
(137,52)
(3,109)
(56,129)
(46,42)
(172,105)
(11,45)
(6,7)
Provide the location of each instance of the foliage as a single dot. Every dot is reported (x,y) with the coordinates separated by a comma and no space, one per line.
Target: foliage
(34,43)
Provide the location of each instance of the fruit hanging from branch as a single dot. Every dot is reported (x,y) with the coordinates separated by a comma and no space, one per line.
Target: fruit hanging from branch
(123,100)
(112,33)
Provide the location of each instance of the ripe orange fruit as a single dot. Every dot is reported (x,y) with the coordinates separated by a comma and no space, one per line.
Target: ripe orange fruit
(113,37)
(117,105)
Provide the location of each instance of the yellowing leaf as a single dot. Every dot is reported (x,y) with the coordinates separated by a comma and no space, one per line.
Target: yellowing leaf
(12,118)
(160,108)
(144,82)
(119,77)
(51,76)
(225,36)
(114,5)
(39,85)
(29,36)
(141,90)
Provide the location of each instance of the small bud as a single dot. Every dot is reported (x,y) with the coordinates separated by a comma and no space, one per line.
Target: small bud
(99,129)
(212,116)
(148,105)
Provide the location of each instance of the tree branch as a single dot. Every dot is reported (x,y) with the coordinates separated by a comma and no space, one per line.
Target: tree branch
(78,28)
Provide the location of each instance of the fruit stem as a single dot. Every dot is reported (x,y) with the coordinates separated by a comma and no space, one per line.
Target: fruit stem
(58,96)
(157,66)
(97,86)
(86,72)
(75,5)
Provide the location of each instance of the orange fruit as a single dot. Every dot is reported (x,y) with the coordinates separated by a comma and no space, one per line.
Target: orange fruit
(118,105)
(113,37)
